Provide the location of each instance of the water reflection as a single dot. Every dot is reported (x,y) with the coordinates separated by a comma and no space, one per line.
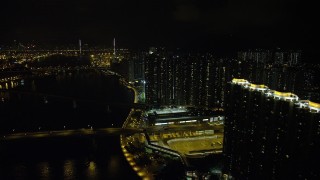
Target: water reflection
(20,171)
(69,157)
(76,161)
(44,170)
(11,84)
(69,169)
(33,86)
(92,170)
(113,166)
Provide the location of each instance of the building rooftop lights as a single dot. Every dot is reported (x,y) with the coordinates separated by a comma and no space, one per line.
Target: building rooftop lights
(284,94)
(258,87)
(312,106)
(240,81)
(261,87)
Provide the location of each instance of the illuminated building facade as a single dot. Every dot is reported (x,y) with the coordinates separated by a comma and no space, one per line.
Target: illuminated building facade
(182,116)
(261,56)
(279,69)
(270,134)
(184,79)
(136,67)
(160,76)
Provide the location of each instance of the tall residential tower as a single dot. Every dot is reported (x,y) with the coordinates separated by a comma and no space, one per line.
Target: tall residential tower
(270,134)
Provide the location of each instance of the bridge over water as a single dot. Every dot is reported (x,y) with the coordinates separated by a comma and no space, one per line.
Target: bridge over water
(75,132)
(53,69)
(104,131)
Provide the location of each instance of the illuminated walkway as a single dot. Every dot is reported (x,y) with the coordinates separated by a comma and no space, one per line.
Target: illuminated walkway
(166,151)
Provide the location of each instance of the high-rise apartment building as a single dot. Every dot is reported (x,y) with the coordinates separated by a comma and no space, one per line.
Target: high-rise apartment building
(270,134)
(159,78)
(260,57)
(136,67)
(184,79)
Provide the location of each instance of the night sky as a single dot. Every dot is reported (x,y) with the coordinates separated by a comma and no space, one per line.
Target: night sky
(178,23)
